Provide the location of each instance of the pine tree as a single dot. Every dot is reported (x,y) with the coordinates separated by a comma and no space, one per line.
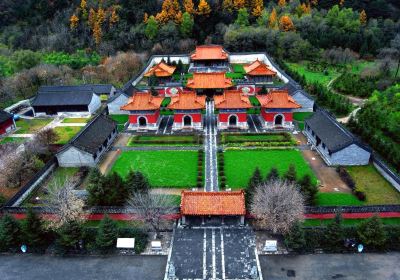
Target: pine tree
(10,232)
(83,7)
(242,18)
(254,182)
(372,233)
(363,17)
(239,4)
(291,174)
(114,18)
(189,7)
(286,23)
(273,19)
(204,8)
(341,3)
(151,30)
(92,18)
(258,8)
(101,16)
(334,233)
(73,22)
(314,2)
(263,19)
(137,182)
(308,189)
(186,26)
(227,5)
(145,17)
(295,239)
(282,3)
(69,235)
(33,229)
(272,175)
(107,234)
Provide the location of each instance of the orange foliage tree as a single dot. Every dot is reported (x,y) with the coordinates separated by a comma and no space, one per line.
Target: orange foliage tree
(258,7)
(189,7)
(239,4)
(363,17)
(73,21)
(282,3)
(170,10)
(286,23)
(273,19)
(204,8)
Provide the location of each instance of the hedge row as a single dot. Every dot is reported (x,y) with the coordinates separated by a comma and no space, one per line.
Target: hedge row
(358,191)
(200,168)
(221,170)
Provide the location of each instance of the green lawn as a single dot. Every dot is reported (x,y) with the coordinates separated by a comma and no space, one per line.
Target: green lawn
(270,137)
(32,126)
(337,199)
(240,165)
(76,120)
(301,116)
(163,168)
(66,133)
(312,76)
(149,140)
(348,222)
(238,68)
(377,189)
(120,119)
(12,140)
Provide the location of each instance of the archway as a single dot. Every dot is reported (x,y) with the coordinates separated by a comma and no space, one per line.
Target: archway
(187,121)
(278,120)
(233,120)
(142,121)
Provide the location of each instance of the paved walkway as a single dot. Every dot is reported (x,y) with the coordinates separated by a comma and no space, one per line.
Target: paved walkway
(210,149)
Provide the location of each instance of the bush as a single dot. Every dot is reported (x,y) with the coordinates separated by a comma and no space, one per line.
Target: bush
(295,239)
(3,200)
(33,228)
(346,177)
(69,235)
(372,234)
(141,237)
(359,192)
(107,234)
(10,233)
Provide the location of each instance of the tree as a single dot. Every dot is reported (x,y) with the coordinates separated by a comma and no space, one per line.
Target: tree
(227,5)
(25,59)
(372,233)
(273,19)
(107,234)
(108,190)
(258,8)
(363,17)
(295,239)
(33,228)
(83,7)
(262,20)
(308,189)
(277,206)
(282,3)
(189,7)
(291,173)
(239,4)
(136,182)
(263,90)
(151,209)
(43,139)
(151,29)
(255,180)
(10,233)
(272,175)
(334,233)
(203,8)
(395,43)
(242,18)
(286,23)
(187,24)
(69,235)
(169,12)
(114,18)
(73,22)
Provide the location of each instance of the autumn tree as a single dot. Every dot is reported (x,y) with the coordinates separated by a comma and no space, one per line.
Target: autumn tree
(282,3)
(203,8)
(286,23)
(239,4)
(186,26)
(189,7)
(363,17)
(114,18)
(341,3)
(273,19)
(83,7)
(170,10)
(258,7)
(73,22)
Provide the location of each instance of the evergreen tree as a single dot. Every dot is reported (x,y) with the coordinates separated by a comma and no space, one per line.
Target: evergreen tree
(10,232)
(69,235)
(272,175)
(255,180)
(203,8)
(33,229)
(334,233)
(115,191)
(291,174)
(263,90)
(258,8)
(295,239)
(308,189)
(262,20)
(186,26)
(372,233)
(137,182)
(151,29)
(95,187)
(107,234)
(242,18)
(273,19)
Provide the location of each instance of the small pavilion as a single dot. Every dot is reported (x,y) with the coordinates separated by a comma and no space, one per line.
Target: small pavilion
(259,72)
(162,72)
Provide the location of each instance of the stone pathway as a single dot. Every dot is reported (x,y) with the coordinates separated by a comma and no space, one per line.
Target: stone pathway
(210,149)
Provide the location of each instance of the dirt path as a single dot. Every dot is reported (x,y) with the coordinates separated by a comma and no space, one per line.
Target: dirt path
(108,161)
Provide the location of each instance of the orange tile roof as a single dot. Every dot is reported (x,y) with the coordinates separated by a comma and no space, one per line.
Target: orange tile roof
(160,70)
(187,101)
(142,101)
(209,52)
(232,99)
(258,68)
(213,203)
(278,99)
(209,81)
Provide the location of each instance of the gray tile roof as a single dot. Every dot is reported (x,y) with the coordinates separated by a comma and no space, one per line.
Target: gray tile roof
(66,98)
(95,88)
(93,135)
(331,133)
(117,94)
(4,116)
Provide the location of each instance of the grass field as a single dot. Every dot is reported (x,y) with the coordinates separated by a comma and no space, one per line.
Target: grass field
(377,189)
(12,140)
(337,199)
(121,120)
(347,222)
(162,168)
(176,140)
(271,137)
(76,120)
(240,165)
(301,116)
(66,133)
(32,126)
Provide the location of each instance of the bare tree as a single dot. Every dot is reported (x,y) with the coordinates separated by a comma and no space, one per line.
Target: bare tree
(151,209)
(277,205)
(42,141)
(62,201)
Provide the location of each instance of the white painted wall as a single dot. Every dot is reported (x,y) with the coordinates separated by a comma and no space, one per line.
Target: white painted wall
(73,157)
(114,107)
(94,104)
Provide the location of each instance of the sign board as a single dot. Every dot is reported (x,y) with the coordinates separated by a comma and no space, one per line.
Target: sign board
(271,246)
(156,245)
(126,243)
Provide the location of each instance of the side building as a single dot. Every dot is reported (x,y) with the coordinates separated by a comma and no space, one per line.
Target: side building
(334,143)
(87,147)
(7,123)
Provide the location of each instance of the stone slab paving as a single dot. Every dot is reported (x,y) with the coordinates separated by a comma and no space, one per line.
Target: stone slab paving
(210,149)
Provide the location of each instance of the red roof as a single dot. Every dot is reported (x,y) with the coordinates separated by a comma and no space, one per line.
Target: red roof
(187,101)
(160,70)
(209,52)
(258,68)
(278,99)
(213,203)
(209,81)
(141,101)
(232,99)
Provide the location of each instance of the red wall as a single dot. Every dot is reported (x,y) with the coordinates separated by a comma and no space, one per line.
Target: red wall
(151,118)
(5,125)
(223,117)
(269,117)
(196,117)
